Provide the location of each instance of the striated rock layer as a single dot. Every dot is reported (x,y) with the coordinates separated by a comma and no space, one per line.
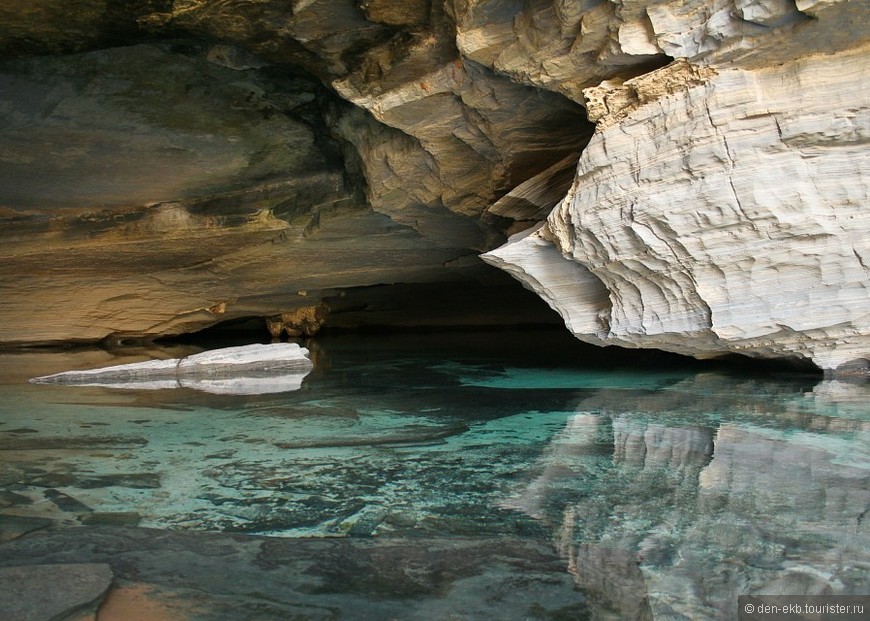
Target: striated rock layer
(719,208)
(166,165)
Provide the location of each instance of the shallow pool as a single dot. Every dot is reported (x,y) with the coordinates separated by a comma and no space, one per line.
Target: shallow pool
(665,488)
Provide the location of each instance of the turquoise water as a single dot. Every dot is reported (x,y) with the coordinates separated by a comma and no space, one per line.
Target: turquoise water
(666,488)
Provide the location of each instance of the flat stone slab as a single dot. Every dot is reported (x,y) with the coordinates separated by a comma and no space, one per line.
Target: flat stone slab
(13,526)
(248,369)
(50,592)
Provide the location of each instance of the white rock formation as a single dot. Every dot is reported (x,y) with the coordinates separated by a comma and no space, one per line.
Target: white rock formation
(717,210)
(249,369)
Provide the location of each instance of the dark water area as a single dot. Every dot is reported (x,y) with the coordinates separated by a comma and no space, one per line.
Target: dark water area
(520,475)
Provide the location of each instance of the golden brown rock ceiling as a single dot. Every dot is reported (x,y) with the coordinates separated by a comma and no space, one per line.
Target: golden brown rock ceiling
(169,165)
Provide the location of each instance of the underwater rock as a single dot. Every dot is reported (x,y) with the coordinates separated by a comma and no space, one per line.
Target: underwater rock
(15,526)
(248,369)
(43,592)
(66,503)
(231,577)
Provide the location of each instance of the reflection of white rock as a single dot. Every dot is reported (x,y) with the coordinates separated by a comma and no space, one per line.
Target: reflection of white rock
(820,479)
(584,434)
(647,492)
(249,369)
(285,382)
(651,445)
(127,385)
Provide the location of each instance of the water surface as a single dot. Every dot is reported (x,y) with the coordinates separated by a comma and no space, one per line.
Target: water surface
(664,489)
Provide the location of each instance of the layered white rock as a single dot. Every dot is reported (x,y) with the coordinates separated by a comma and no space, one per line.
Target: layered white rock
(248,369)
(726,213)
(569,45)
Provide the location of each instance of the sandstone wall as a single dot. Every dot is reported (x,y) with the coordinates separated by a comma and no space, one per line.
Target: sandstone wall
(207,161)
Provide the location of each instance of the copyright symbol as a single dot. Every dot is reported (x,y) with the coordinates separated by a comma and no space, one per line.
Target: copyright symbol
(749,609)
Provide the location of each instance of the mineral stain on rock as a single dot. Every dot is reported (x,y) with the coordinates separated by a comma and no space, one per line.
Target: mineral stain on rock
(142,602)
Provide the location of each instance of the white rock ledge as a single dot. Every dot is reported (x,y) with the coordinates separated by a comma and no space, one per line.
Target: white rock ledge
(249,369)
(723,214)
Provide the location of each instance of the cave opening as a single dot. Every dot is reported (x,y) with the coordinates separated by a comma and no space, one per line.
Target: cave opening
(459,318)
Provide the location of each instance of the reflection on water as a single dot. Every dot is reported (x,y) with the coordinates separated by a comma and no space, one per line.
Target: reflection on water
(666,492)
(667,504)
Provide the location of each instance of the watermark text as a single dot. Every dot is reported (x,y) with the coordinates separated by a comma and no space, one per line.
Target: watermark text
(803,608)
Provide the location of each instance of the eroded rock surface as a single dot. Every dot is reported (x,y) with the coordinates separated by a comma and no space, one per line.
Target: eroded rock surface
(169,164)
(719,208)
(205,162)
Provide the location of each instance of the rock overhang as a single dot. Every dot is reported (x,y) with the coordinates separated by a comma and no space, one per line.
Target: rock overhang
(432,136)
